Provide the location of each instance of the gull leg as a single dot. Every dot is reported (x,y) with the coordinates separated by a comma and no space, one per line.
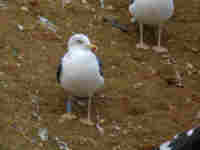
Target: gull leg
(87,120)
(142,44)
(68,115)
(159,48)
(63,3)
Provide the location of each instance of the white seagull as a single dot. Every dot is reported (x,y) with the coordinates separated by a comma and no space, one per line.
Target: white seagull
(188,140)
(79,72)
(153,12)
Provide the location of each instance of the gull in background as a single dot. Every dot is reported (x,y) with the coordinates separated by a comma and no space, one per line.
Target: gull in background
(152,12)
(79,72)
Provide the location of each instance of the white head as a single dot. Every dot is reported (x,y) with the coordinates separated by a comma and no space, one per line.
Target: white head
(80,41)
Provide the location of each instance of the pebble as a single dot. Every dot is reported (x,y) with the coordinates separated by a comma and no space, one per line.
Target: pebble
(189,66)
(20,27)
(84,1)
(68,1)
(198,115)
(138,85)
(195,50)
(93,10)
(109,7)
(199,72)
(23,8)
(2,73)
(125,132)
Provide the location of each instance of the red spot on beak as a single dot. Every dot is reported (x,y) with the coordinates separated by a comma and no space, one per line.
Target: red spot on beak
(93,47)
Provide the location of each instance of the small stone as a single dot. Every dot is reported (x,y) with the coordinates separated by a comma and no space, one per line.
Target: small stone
(2,73)
(189,66)
(199,72)
(23,8)
(84,1)
(118,147)
(117,128)
(125,132)
(198,115)
(101,121)
(44,47)
(188,99)
(113,67)
(195,50)
(20,27)
(67,1)
(138,85)
(87,122)
(68,116)
(18,65)
(93,10)
(109,7)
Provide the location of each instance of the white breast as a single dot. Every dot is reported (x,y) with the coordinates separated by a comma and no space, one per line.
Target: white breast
(80,74)
(153,11)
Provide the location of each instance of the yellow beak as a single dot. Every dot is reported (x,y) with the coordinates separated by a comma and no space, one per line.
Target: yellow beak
(92,47)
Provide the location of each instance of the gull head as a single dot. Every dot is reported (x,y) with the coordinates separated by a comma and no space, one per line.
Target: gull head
(80,41)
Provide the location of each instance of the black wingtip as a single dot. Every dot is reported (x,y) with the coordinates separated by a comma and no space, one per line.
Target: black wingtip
(100,66)
(59,70)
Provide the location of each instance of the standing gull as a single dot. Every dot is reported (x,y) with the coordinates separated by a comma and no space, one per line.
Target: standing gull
(153,12)
(79,72)
(188,140)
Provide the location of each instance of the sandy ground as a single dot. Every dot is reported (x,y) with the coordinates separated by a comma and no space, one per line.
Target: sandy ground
(142,104)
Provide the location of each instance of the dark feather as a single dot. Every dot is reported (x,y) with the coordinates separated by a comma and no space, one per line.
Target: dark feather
(59,71)
(183,141)
(100,66)
(131,1)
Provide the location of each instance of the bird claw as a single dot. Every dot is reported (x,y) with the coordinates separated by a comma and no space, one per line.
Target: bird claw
(142,46)
(87,122)
(68,116)
(160,49)
(133,20)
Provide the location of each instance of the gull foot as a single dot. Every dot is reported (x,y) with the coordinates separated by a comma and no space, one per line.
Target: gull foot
(68,116)
(160,49)
(86,122)
(142,46)
(133,20)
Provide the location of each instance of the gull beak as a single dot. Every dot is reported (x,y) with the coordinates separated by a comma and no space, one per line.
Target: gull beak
(92,47)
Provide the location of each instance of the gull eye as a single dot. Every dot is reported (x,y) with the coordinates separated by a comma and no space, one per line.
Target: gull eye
(80,41)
